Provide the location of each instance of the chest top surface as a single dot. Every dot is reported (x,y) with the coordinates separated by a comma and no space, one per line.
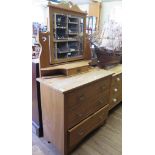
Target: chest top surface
(65,84)
(116,70)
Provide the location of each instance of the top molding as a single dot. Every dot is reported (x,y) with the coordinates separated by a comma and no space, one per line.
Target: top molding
(67,6)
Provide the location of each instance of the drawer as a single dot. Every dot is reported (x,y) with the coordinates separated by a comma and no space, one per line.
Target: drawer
(101,102)
(114,101)
(116,91)
(117,80)
(87,92)
(78,70)
(79,113)
(82,129)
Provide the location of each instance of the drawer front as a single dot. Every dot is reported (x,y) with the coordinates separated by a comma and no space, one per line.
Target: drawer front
(87,93)
(79,113)
(117,80)
(78,70)
(82,129)
(116,91)
(115,101)
(101,102)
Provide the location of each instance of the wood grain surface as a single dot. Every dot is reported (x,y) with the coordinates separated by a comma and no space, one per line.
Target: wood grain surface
(75,81)
(106,140)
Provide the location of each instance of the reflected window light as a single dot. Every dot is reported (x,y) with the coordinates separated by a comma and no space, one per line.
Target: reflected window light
(116,14)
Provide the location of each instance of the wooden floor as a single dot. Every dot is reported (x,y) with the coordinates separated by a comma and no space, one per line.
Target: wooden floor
(107,140)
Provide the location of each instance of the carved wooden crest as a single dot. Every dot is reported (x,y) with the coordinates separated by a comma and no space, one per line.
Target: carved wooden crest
(67,6)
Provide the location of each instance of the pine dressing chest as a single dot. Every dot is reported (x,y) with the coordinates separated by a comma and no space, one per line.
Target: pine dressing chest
(74,106)
(75,98)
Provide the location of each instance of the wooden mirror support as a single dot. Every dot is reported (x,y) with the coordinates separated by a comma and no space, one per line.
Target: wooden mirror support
(64,44)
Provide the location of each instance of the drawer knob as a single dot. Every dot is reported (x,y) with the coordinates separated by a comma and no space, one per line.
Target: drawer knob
(102,88)
(79,70)
(101,117)
(115,89)
(114,99)
(80,133)
(79,115)
(118,79)
(99,102)
(82,97)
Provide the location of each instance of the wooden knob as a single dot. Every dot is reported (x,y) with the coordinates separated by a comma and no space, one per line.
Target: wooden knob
(80,133)
(99,102)
(118,79)
(102,88)
(114,99)
(101,117)
(79,115)
(82,97)
(115,89)
(79,70)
